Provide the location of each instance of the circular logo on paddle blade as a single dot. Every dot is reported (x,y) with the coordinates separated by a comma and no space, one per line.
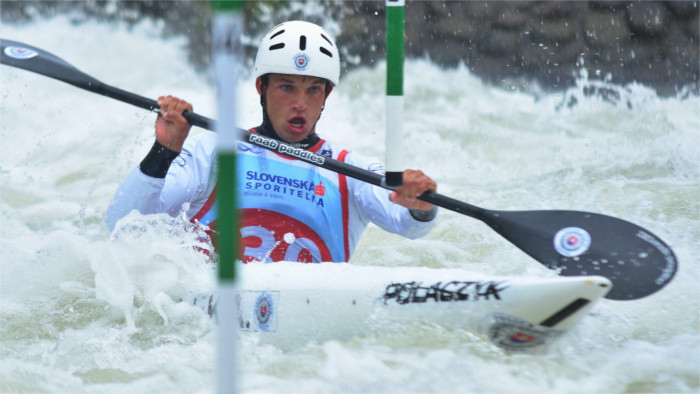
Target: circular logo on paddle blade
(572,241)
(20,53)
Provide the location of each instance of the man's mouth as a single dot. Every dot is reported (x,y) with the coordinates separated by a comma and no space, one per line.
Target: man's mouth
(297,123)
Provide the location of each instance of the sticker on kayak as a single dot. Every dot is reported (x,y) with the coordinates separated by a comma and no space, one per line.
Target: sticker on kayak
(258,310)
(512,333)
(572,241)
(20,53)
(264,309)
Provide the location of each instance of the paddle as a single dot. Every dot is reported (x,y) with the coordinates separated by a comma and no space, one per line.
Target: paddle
(570,242)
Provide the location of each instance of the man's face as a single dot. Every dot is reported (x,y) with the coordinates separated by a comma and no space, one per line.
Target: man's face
(294,104)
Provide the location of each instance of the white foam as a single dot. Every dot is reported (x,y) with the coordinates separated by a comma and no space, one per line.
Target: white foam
(86,311)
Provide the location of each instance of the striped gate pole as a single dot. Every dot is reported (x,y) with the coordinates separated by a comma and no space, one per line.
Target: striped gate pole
(227,28)
(394,91)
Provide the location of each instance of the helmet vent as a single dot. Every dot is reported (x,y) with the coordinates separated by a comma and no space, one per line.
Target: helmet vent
(327,39)
(277,34)
(277,46)
(302,43)
(326,52)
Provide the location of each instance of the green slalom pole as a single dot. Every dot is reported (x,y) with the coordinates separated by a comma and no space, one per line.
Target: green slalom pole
(394,91)
(226,60)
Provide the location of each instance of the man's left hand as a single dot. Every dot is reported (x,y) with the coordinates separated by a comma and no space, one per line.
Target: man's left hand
(415,183)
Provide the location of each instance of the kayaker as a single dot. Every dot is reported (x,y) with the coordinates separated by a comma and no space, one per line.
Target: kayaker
(290,210)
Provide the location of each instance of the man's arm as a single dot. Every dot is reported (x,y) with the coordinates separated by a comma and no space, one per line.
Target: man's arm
(143,188)
(137,191)
(375,204)
(157,186)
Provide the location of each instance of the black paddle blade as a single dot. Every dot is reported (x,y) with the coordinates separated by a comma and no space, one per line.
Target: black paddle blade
(37,60)
(583,243)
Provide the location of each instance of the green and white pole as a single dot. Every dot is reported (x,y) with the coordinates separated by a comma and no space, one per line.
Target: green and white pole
(394,91)
(226,60)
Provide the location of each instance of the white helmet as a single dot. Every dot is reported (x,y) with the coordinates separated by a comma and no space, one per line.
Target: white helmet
(299,48)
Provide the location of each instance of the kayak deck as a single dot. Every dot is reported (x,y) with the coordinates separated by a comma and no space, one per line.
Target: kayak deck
(290,304)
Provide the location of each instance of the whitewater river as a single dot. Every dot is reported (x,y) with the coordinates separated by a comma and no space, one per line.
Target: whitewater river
(85,312)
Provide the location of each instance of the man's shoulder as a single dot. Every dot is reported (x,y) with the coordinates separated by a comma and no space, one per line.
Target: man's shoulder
(202,137)
(366,162)
(327,149)
(205,141)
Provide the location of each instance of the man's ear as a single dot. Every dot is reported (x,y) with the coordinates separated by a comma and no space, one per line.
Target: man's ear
(258,85)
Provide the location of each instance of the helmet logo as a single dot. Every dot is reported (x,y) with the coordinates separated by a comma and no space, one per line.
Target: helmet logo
(301,61)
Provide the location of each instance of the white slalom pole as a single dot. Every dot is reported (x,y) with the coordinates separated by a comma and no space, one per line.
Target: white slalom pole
(394,91)
(226,62)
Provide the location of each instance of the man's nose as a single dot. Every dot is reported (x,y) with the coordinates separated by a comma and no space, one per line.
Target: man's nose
(300,102)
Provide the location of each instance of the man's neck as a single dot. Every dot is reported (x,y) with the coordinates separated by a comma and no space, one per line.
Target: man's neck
(267,130)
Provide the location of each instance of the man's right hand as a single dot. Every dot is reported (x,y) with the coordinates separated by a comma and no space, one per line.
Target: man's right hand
(171,127)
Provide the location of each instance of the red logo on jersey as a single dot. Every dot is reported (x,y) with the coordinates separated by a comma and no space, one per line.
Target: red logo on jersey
(271,236)
(320,190)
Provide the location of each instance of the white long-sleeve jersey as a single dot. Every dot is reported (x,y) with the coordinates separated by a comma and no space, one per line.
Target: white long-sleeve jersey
(313,213)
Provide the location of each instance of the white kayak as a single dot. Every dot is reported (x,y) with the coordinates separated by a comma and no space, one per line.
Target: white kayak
(290,304)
